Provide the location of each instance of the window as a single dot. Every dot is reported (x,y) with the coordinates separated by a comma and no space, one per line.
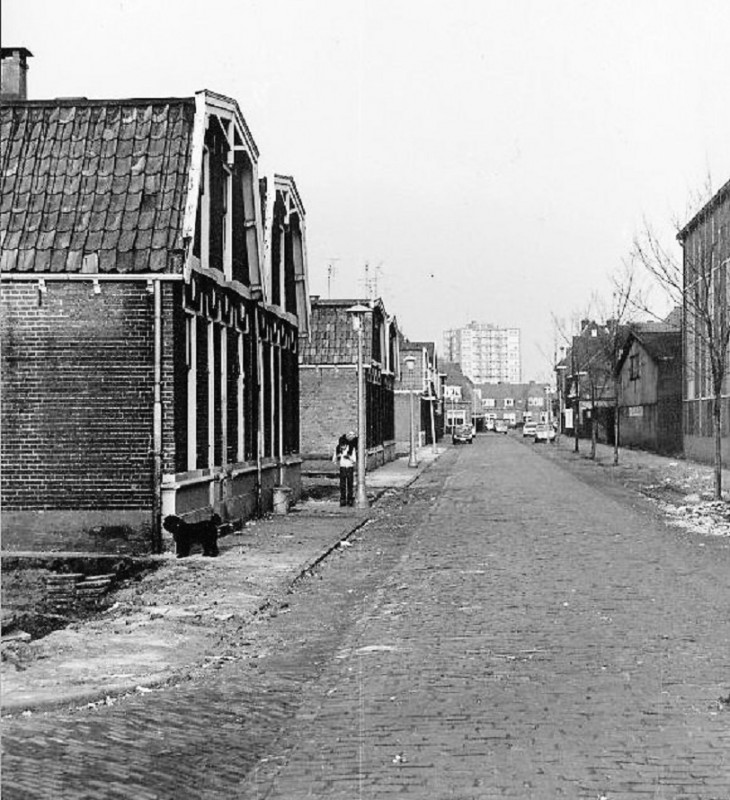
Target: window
(634,367)
(456,417)
(509,402)
(452,392)
(535,402)
(488,402)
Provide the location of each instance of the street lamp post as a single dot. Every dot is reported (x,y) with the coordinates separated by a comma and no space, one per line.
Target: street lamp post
(358,312)
(560,386)
(576,413)
(410,364)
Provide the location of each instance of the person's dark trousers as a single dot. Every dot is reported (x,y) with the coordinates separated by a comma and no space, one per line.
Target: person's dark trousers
(346,486)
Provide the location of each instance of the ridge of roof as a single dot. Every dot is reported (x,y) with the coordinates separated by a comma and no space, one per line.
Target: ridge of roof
(92,102)
(715,200)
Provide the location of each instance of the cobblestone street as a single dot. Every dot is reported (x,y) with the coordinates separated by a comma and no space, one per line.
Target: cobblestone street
(500,629)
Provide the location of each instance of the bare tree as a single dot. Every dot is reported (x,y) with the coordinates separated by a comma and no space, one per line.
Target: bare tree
(595,352)
(699,285)
(624,299)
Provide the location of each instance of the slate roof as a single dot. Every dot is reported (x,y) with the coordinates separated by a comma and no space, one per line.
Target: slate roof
(331,337)
(82,177)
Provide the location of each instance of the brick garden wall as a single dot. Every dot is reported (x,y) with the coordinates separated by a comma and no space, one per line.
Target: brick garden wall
(77,396)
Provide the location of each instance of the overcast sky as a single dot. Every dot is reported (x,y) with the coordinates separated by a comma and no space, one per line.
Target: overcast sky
(491,161)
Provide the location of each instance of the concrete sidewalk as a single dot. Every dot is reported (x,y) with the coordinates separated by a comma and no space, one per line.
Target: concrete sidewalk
(183,617)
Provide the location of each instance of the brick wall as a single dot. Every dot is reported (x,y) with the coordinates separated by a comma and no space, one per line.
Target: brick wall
(328,402)
(77,396)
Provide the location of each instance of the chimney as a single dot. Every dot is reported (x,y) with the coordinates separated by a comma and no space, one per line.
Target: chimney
(14,73)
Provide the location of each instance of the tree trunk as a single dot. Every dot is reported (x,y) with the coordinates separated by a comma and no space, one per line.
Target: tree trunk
(594,425)
(717,429)
(616,418)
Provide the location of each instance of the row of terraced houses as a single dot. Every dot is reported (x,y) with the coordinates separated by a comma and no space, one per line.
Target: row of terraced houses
(160,350)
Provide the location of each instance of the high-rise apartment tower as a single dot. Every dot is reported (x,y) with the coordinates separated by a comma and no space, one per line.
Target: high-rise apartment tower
(487,354)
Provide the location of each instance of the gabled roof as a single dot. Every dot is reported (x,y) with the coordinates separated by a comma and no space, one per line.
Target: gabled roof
(659,345)
(454,374)
(93,185)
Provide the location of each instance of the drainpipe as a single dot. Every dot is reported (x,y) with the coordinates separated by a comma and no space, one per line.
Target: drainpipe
(260,415)
(157,424)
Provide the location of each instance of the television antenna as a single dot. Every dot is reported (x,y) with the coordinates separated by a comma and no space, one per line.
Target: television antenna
(371,283)
(331,272)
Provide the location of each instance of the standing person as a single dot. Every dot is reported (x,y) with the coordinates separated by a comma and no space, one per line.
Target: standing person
(345,456)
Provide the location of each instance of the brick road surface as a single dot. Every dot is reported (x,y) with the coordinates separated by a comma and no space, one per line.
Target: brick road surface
(501,630)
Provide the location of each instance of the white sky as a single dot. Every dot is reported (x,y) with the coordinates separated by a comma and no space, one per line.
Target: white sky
(494,158)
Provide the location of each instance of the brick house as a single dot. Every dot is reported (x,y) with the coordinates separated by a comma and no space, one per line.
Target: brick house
(650,401)
(515,402)
(328,380)
(705,241)
(424,383)
(153,296)
(461,400)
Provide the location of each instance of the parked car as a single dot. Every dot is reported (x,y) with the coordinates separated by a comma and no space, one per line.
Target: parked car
(462,434)
(529,428)
(544,432)
(489,425)
(501,425)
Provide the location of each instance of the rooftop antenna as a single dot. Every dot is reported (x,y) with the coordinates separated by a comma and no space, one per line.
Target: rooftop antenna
(371,283)
(331,272)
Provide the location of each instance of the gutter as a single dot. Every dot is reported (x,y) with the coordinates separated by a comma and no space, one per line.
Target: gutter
(94,277)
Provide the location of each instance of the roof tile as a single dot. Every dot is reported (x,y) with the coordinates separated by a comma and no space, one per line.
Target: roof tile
(126,241)
(143,239)
(141,260)
(42,261)
(111,239)
(90,176)
(94,240)
(125,261)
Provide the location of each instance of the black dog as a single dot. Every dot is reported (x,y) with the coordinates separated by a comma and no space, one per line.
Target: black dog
(186,534)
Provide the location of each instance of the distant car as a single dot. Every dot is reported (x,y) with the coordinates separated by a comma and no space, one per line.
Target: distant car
(529,428)
(462,434)
(544,432)
(501,425)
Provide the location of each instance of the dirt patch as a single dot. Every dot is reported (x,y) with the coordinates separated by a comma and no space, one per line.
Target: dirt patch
(30,606)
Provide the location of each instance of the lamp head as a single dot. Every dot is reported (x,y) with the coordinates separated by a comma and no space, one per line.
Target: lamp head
(357,312)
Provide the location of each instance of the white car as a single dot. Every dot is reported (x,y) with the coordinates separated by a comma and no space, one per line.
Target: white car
(529,428)
(544,432)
